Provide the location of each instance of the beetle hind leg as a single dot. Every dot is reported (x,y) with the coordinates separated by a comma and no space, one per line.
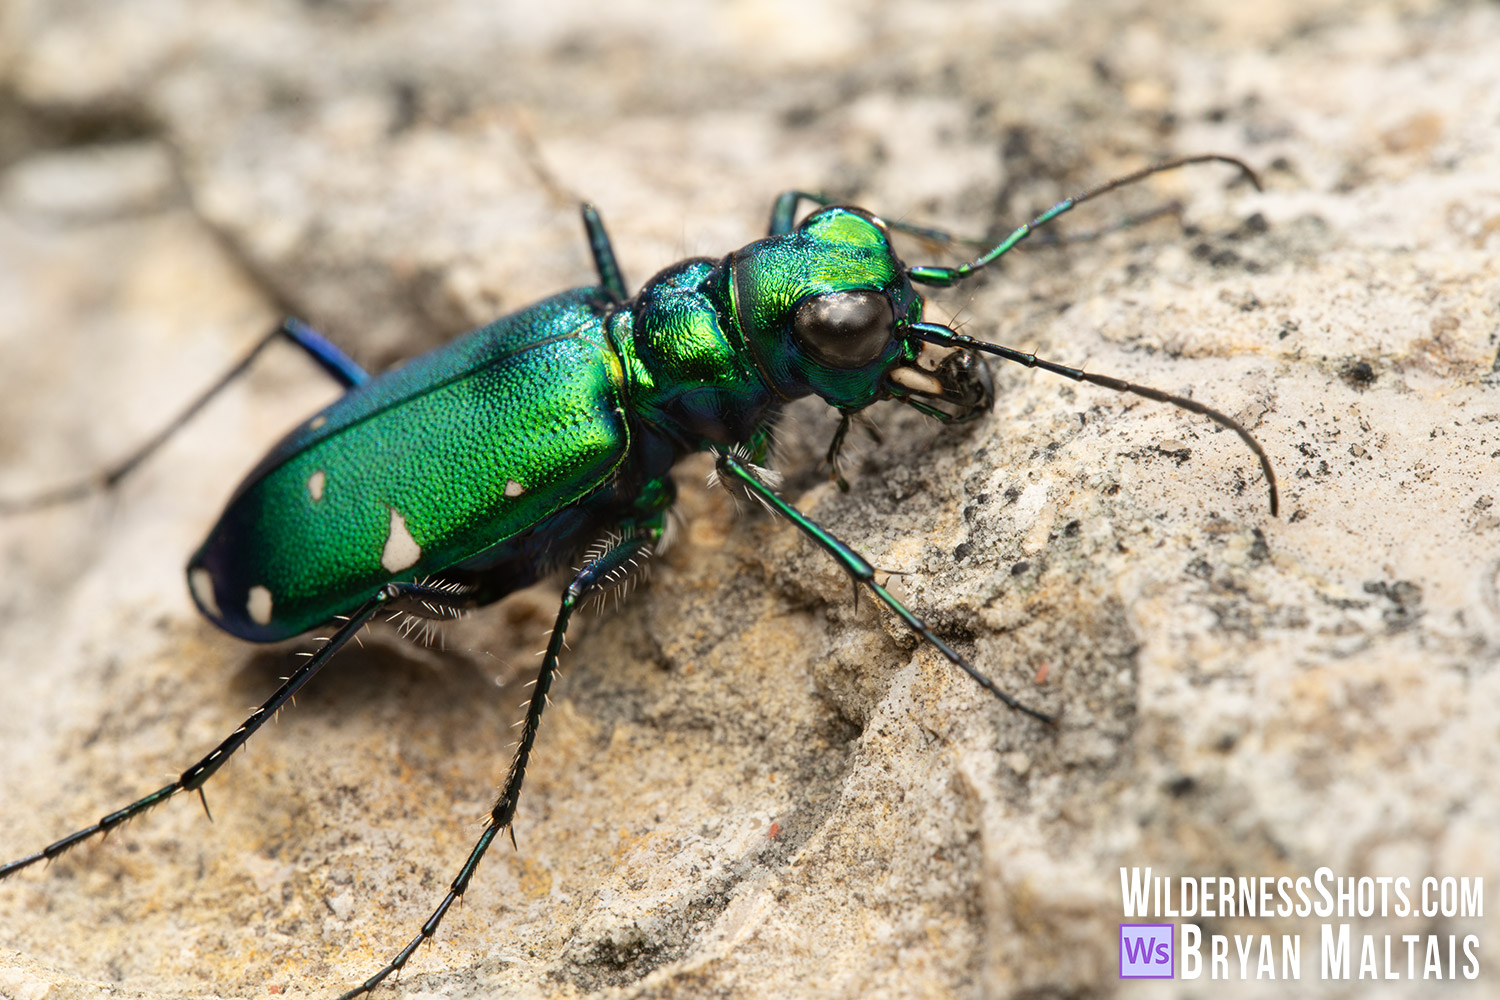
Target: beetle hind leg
(420,613)
(334,362)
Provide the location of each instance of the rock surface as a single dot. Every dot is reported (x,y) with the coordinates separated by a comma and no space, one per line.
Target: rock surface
(748,786)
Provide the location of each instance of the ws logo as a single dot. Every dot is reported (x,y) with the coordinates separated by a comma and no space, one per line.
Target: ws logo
(1146,951)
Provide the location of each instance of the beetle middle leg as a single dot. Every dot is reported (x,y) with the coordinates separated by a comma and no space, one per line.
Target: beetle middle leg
(605,262)
(598,572)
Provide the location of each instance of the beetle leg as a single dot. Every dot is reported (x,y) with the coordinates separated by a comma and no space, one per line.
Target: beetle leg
(605,262)
(440,600)
(834,447)
(328,357)
(784,209)
(598,572)
(194,777)
(732,469)
(338,365)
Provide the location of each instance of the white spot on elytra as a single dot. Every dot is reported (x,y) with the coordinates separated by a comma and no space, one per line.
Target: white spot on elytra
(401,550)
(259,605)
(514,489)
(315,484)
(202,582)
(916,381)
(316,422)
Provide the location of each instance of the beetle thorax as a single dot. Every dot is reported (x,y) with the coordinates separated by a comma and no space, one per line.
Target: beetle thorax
(689,378)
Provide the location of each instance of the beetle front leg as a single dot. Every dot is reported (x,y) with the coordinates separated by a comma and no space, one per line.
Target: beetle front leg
(738,474)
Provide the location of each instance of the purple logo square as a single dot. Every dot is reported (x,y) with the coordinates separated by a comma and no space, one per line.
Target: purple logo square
(1146,951)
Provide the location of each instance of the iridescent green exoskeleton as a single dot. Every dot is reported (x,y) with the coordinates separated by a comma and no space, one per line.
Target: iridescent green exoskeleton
(485,465)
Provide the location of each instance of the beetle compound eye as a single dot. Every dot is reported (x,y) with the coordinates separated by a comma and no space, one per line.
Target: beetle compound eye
(845,329)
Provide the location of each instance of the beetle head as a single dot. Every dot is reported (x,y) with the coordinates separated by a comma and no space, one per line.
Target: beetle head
(828,309)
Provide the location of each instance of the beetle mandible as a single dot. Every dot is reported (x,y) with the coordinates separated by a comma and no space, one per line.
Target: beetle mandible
(479,468)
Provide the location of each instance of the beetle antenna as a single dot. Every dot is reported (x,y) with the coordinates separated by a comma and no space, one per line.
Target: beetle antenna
(944,337)
(944,277)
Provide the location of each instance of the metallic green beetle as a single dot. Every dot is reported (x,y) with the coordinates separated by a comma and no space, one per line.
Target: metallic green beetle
(479,468)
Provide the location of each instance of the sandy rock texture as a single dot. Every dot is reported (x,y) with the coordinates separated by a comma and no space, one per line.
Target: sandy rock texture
(749,786)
